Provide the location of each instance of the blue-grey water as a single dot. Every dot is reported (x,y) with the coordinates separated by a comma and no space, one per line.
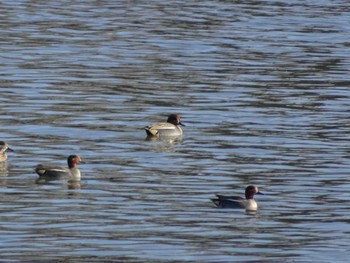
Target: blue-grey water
(262,86)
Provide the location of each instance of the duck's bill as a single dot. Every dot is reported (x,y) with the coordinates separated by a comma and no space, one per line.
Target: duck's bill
(9,149)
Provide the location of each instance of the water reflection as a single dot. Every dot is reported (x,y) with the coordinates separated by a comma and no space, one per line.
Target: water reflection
(73,185)
(61,185)
(164,139)
(69,184)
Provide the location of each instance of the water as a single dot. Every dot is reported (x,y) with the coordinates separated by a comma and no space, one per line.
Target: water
(262,86)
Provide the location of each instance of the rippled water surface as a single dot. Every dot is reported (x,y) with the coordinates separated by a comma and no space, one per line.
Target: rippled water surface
(262,86)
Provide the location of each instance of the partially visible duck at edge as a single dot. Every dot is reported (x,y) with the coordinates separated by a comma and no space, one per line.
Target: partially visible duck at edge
(72,173)
(3,148)
(248,202)
(169,128)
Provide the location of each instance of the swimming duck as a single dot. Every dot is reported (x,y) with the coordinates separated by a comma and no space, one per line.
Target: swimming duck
(238,202)
(3,148)
(72,173)
(169,128)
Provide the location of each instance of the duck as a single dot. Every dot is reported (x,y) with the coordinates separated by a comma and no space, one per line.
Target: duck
(169,128)
(72,173)
(3,148)
(248,202)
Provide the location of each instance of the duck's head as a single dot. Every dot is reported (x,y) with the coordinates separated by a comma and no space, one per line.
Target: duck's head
(73,160)
(252,190)
(175,119)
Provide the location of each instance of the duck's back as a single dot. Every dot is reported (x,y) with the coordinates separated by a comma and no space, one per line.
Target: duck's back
(163,129)
(224,201)
(52,172)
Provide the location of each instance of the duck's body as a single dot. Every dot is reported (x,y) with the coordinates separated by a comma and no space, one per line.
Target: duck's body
(3,148)
(57,173)
(248,202)
(169,128)
(72,173)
